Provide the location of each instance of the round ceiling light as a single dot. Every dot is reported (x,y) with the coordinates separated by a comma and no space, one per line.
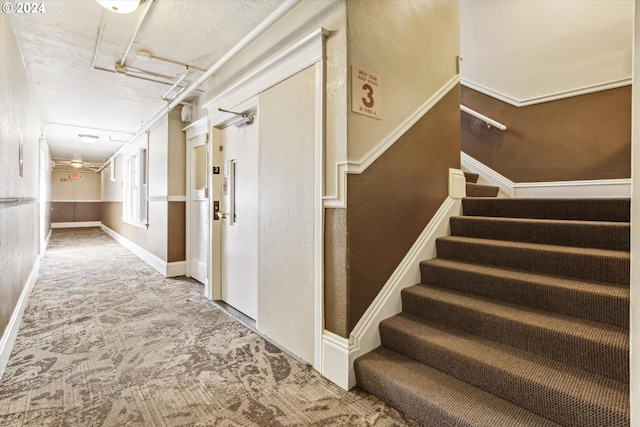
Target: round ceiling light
(120,6)
(89,139)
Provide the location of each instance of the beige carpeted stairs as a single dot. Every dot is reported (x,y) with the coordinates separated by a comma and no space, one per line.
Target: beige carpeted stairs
(521,320)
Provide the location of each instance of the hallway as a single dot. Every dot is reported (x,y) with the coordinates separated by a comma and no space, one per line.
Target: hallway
(106,340)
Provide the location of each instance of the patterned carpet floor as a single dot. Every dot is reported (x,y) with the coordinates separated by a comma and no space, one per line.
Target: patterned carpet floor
(108,341)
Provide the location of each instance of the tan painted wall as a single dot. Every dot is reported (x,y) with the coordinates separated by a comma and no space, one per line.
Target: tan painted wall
(19,122)
(579,138)
(393,200)
(165,236)
(285,229)
(85,188)
(413,46)
(75,211)
(176,156)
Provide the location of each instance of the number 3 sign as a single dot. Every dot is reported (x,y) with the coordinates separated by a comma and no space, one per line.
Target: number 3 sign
(366,93)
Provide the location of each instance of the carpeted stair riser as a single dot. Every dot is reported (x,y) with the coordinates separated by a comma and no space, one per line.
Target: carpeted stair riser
(583,263)
(471,177)
(578,209)
(511,373)
(585,234)
(435,399)
(594,301)
(594,347)
(479,190)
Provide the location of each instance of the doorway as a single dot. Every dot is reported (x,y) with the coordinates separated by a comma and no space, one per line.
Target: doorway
(199,209)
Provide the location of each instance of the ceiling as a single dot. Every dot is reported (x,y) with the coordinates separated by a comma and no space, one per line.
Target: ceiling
(71,51)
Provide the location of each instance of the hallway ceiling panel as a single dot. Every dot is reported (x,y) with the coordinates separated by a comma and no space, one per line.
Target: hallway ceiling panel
(58,47)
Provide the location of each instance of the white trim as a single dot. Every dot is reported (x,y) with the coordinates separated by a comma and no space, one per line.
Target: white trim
(589,189)
(318,216)
(339,353)
(11,330)
(197,128)
(335,359)
(167,198)
(546,98)
(308,52)
(79,224)
(75,201)
(170,269)
(301,55)
(339,197)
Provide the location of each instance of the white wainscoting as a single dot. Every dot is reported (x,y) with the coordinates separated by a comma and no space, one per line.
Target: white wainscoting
(588,189)
(167,269)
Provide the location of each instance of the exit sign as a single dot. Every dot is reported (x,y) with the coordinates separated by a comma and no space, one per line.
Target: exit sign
(75,176)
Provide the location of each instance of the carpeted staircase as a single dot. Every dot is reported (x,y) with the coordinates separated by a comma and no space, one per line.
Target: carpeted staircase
(478,190)
(521,320)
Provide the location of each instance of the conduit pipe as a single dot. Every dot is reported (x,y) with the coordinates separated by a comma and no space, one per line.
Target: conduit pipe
(254,34)
(135,33)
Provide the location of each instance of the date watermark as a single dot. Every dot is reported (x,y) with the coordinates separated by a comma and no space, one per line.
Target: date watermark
(24,8)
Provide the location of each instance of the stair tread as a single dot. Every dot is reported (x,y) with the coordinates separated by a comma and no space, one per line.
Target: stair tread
(578,233)
(439,399)
(539,247)
(520,314)
(585,209)
(487,360)
(588,286)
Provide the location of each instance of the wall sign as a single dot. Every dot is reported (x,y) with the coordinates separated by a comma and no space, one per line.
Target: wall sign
(366,92)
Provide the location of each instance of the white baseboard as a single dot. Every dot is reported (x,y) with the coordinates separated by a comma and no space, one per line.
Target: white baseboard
(76,224)
(339,353)
(11,331)
(587,189)
(170,269)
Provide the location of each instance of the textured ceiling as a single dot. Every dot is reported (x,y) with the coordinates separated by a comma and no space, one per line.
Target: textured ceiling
(59,47)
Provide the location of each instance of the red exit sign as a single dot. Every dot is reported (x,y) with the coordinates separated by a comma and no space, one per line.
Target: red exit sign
(75,176)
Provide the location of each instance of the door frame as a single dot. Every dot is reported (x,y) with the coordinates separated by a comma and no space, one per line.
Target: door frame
(308,52)
(217,124)
(194,130)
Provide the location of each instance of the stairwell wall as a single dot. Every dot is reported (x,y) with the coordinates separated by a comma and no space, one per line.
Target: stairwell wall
(413,47)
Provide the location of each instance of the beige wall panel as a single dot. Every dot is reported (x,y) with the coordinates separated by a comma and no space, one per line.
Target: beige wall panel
(112,190)
(528,49)
(76,211)
(285,227)
(159,158)
(336,300)
(176,232)
(177,155)
(85,188)
(413,46)
(579,138)
(393,200)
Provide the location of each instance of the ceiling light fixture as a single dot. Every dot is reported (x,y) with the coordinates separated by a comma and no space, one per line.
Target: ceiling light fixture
(120,6)
(89,139)
(77,163)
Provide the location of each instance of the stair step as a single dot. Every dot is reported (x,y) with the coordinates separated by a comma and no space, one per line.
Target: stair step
(583,263)
(587,234)
(567,395)
(433,398)
(617,210)
(598,302)
(479,190)
(594,347)
(471,177)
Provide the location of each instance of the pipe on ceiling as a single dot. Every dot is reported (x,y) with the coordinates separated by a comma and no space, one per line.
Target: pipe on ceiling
(254,34)
(123,61)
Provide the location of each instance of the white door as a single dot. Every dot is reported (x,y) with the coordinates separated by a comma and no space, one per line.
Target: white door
(199,209)
(239,217)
